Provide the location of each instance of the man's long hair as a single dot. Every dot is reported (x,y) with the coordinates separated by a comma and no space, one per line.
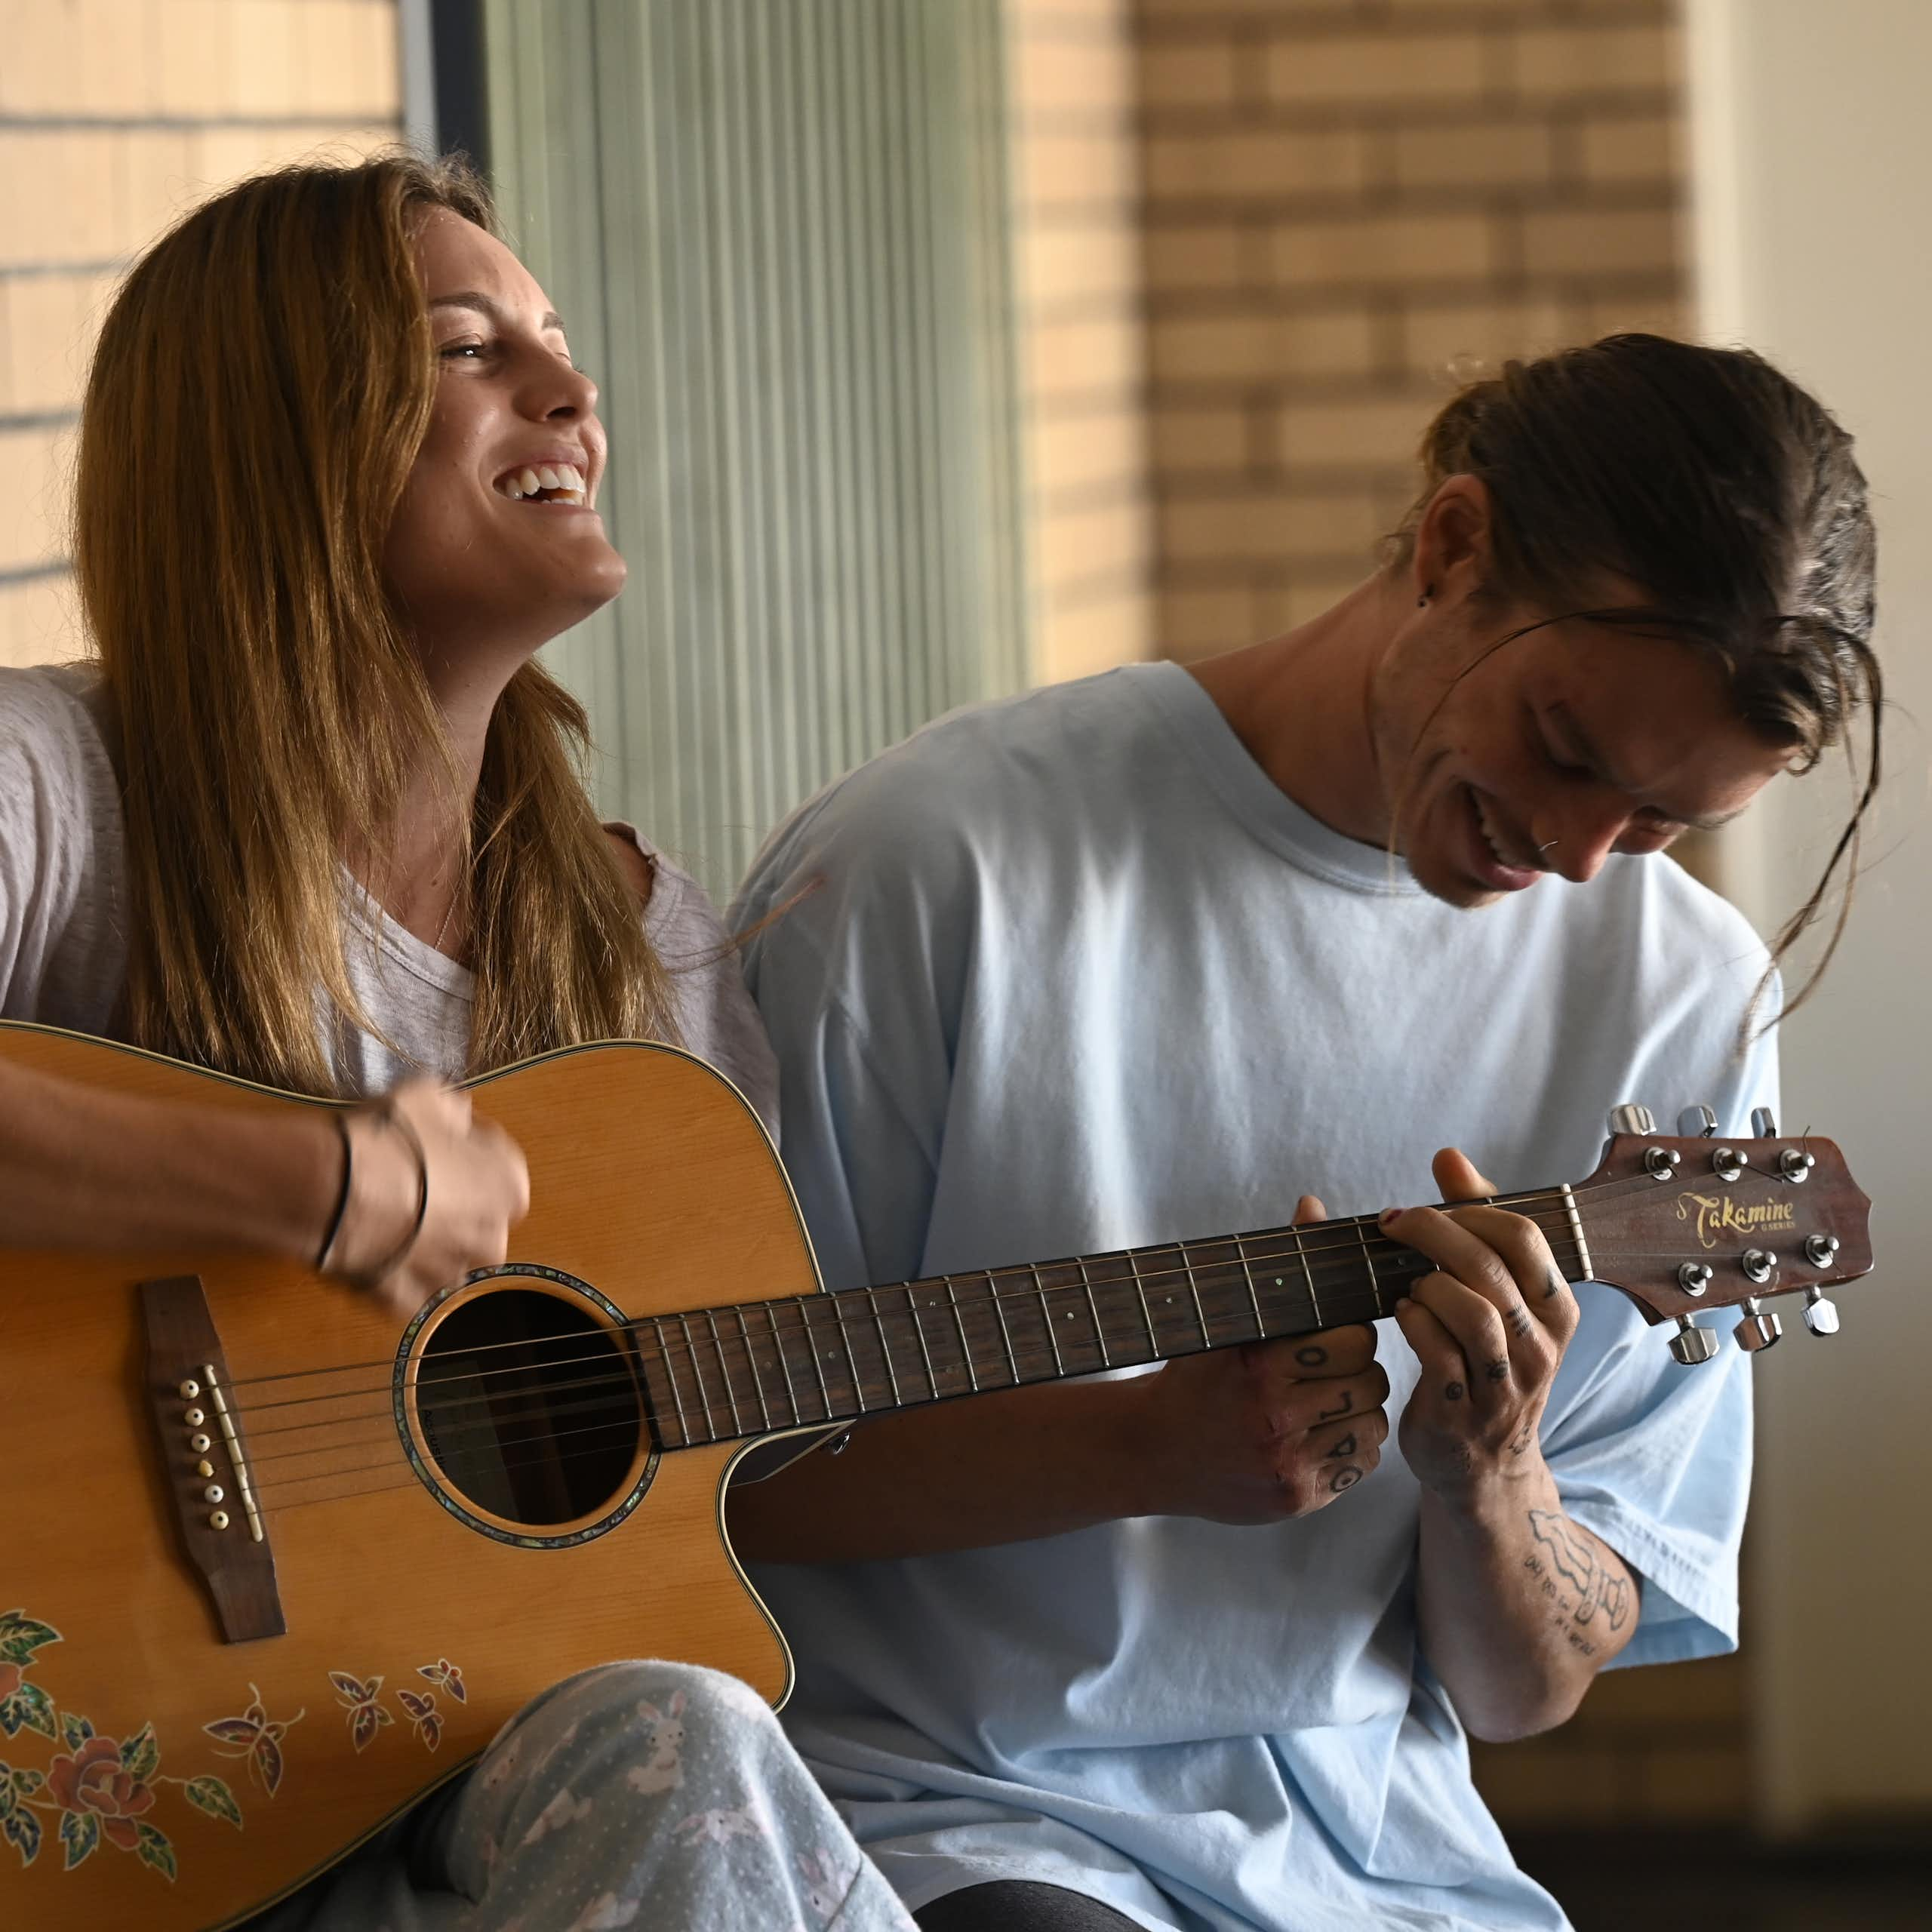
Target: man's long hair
(263,383)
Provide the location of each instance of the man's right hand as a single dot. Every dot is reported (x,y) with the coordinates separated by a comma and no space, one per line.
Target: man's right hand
(479,1189)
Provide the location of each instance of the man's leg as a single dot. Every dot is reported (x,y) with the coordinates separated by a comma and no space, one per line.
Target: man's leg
(1013,1905)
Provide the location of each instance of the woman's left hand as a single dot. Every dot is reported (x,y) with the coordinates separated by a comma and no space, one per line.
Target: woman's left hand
(1489,1328)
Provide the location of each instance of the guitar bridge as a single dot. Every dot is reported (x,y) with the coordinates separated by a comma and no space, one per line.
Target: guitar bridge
(206,1460)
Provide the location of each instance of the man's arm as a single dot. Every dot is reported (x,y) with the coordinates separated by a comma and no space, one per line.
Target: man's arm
(1247,1434)
(1519,1606)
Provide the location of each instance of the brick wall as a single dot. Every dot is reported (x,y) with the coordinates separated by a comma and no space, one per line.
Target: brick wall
(1346,200)
(1076,171)
(115,115)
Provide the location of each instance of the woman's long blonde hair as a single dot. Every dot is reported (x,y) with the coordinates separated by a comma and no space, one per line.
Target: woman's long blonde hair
(263,384)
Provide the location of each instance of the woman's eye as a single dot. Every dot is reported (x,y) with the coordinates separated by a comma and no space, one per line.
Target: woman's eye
(450,350)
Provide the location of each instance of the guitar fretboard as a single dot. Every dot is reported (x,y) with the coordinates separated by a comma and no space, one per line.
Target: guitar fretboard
(715,1375)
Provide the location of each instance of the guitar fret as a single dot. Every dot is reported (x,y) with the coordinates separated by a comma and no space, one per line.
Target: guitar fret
(1094,1309)
(1005,1333)
(1140,1295)
(811,1349)
(1308,1275)
(1254,1299)
(965,1346)
(724,1369)
(1046,1317)
(1368,1260)
(1194,1289)
(885,1347)
(784,1367)
(697,1376)
(757,1380)
(671,1377)
(919,1336)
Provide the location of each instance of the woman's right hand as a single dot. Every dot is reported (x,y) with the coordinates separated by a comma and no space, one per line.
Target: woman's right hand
(478,1189)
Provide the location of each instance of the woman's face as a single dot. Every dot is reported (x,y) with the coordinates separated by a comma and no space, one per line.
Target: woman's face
(496,546)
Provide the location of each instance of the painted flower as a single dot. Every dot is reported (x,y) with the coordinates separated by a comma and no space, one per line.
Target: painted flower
(92,1780)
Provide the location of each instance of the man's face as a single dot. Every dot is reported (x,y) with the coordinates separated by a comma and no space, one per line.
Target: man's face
(1553,752)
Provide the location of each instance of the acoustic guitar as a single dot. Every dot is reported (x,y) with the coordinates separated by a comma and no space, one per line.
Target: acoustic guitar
(273,1567)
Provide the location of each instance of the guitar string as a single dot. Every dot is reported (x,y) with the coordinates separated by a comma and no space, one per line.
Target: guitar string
(636,1425)
(622,1376)
(1032,1287)
(845,1310)
(1349,1243)
(625,1377)
(960,1376)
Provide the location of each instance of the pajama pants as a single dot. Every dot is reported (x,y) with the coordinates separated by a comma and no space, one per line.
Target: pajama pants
(654,1795)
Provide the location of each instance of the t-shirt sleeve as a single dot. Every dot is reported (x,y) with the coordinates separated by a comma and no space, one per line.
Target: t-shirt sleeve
(846,970)
(1654,1457)
(56,798)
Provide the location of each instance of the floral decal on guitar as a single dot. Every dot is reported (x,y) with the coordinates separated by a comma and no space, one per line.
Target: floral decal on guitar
(100,1788)
(360,1699)
(253,1736)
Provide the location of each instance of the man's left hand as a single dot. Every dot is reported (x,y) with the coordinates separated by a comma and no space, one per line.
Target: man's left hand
(1489,1328)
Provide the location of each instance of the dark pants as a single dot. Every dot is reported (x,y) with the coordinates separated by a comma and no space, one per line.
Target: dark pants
(1013,1905)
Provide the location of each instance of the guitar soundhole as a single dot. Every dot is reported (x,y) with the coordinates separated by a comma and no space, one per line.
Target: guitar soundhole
(529,1408)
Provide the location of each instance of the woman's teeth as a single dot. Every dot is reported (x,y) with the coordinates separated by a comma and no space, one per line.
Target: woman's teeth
(556,482)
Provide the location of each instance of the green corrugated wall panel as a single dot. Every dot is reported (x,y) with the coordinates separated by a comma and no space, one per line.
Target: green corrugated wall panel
(778,231)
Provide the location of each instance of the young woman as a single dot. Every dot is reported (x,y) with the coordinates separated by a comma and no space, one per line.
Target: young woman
(312,815)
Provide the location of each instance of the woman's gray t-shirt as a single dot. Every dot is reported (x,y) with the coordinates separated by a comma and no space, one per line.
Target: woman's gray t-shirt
(63,919)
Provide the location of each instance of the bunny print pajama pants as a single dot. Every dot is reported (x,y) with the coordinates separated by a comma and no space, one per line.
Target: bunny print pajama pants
(652,1796)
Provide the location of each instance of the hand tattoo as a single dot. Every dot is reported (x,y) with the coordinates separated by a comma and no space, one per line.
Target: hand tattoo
(1453,1393)
(1341,1408)
(1518,1318)
(1312,1357)
(1557,1285)
(1570,1550)
(1498,1370)
(1344,1479)
(1346,1446)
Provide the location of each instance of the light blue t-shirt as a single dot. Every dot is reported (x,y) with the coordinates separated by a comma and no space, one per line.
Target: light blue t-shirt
(1069,973)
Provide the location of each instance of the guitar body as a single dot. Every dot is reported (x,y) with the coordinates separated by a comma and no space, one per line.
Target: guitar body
(161,1772)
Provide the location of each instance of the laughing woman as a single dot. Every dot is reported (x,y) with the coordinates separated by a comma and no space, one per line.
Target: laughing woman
(311,816)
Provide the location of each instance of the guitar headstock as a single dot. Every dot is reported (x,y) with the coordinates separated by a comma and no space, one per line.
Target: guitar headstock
(1694,1220)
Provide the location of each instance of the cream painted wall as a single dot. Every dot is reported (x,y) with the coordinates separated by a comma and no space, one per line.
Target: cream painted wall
(1812,154)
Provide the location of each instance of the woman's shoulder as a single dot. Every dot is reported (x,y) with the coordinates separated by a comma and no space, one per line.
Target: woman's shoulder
(54,714)
(716,1018)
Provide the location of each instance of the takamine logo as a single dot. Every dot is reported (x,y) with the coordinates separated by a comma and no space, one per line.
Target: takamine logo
(1719,1214)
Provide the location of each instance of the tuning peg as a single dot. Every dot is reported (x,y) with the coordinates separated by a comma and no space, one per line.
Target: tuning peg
(1692,1344)
(1757,1330)
(1764,1123)
(1821,1313)
(1696,1124)
(1631,1118)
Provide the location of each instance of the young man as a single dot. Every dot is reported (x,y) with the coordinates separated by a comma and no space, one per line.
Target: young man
(1138,959)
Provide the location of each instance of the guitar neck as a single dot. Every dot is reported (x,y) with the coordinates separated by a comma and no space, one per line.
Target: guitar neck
(715,1375)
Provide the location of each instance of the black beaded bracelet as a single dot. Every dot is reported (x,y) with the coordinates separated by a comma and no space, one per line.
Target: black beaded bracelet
(340,1121)
(368,1277)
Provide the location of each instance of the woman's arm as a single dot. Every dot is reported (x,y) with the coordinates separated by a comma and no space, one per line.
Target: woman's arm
(80,1168)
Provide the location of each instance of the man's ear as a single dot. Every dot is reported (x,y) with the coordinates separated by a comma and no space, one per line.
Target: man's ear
(1453,540)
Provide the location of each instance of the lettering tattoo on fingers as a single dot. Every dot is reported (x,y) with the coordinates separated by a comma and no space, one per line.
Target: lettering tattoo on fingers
(1518,1319)
(1342,1408)
(1524,1437)
(1453,1393)
(1313,1356)
(1343,1479)
(1346,1446)
(1557,1283)
(1498,1370)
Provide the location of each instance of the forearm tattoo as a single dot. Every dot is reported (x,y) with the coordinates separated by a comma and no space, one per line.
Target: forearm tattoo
(1572,1560)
